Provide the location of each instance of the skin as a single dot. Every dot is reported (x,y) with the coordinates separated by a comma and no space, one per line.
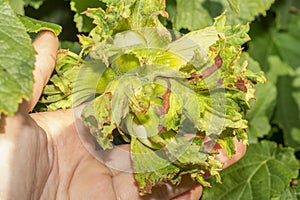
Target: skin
(42,155)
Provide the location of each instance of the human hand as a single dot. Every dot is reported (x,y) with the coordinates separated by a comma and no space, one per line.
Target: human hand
(45,155)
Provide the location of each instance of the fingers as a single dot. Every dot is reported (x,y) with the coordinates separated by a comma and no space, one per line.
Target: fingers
(46,45)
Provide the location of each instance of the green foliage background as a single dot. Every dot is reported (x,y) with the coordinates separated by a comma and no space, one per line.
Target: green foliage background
(270,169)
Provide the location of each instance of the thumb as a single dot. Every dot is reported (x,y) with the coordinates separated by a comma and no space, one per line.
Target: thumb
(46,45)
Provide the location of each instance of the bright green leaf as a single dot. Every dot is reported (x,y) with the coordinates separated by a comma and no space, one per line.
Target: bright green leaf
(17,61)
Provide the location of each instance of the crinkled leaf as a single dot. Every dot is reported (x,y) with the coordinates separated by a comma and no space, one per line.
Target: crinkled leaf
(265,171)
(150,168)
(177,157)
(17,61)
(209,113)
(121,16)
(33,25)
